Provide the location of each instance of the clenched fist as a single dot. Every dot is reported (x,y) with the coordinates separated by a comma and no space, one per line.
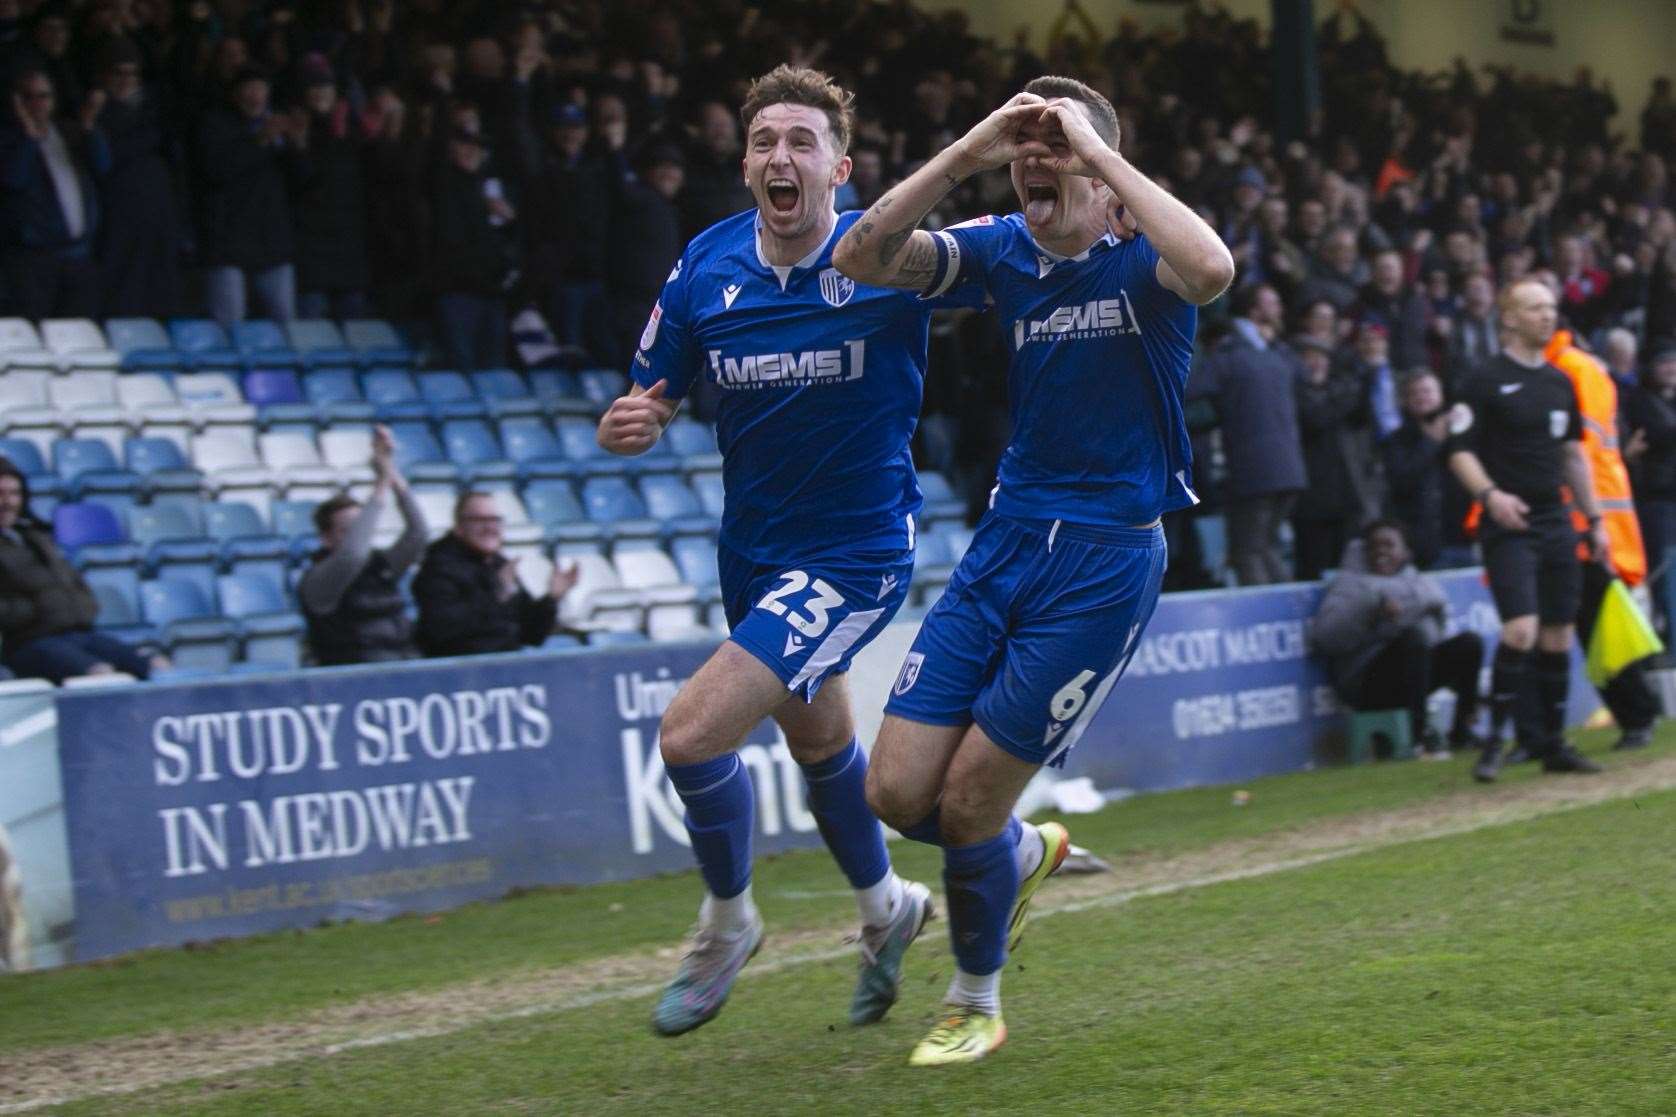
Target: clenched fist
(634,422)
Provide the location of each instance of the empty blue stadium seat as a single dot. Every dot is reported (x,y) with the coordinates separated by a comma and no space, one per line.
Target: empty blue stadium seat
(474,448)
(940,501)
(117,590)
(533,448)
(183,609)
(419,455)
(377,343)
(293,518)
(394,394)
(602,385)
(577,439)
(318,342)
(612,502)
(263,344)
(669,499)
(450,395)
(232,519)
(85,524)
(172,520)
(250,595)
(161,466)
(332,385)
(25,455)
(265,387)
(709,488)
(87,466)
(695,557)
(500,383)
(559,392)
(552,505)
(142,343)
(692,440)
(202,343)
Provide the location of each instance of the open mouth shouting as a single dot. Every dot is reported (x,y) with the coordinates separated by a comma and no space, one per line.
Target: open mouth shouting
(783,194)
(1040,201)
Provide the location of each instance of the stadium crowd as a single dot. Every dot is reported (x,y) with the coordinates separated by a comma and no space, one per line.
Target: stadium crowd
(448,163)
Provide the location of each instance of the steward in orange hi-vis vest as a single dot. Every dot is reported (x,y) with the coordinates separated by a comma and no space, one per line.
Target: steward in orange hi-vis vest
(1597,398)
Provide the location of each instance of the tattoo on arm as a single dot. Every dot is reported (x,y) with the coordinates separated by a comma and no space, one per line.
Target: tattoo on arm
(892,244)
(919,265)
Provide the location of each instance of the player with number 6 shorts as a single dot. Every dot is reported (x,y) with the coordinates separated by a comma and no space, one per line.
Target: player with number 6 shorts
(820,381)
(1063,573)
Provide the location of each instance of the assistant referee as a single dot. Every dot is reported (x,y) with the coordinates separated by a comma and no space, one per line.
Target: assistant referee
(1514,441)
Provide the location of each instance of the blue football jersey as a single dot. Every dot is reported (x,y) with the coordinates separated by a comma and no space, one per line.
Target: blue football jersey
(1100,353)
(821,380)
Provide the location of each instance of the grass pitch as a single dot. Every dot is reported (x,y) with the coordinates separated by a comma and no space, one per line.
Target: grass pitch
(1403,942)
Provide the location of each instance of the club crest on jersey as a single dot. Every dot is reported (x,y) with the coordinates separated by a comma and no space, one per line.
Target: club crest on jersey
(649,335)
(836,287)
(910,673)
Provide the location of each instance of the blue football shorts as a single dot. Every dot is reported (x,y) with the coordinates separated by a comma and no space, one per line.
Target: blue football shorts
(806,620)
(1036,626)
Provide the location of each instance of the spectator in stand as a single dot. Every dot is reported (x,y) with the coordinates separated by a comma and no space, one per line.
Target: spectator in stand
(1474,336)
(715,185)
(1391,301)
(470,599)
(1583,285)
(46,608)
(1343,489)
(49,204)
(1380,627)
(1423,496)
(351,593)
(1319,323)
(1650,415)
(1251,383)
(399,221)
(244,214)
(569,228)
(1620,353)
(474,260)
(646,242)
(140,237)
(1371,363)
(1337,274)
(328,198)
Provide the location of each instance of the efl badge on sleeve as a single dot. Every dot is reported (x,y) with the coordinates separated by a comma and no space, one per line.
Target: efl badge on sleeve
(650,335)
(1558,423)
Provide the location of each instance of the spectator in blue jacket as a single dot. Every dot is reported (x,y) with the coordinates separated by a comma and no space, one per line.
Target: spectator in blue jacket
(49,203)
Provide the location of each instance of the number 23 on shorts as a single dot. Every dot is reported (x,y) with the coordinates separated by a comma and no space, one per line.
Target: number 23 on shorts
(821,601)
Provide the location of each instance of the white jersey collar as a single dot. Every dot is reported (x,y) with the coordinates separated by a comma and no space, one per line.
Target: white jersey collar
(784,270)
(1079,257)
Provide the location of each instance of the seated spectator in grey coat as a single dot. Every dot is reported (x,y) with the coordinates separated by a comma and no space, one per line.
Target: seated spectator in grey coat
(351,595)
(470,599)
(46,608)
(1380,626)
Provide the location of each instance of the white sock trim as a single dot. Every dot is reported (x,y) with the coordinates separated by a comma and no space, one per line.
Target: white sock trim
(878,902)
(728,916)
(979,991)
(1030,850)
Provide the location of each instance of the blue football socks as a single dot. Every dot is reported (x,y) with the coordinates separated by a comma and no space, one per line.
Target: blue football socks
(981,881)
(721,808)
(838,799)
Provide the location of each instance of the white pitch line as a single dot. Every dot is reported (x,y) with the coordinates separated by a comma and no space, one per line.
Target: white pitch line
(646,989)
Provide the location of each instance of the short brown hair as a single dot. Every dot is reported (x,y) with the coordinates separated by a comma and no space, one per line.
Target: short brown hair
(327,510)
(1100,111)
(798,85)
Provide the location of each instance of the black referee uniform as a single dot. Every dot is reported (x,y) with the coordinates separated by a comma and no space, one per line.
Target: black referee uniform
(1517,420)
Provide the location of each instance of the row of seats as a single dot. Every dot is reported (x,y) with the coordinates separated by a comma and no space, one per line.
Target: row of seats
(146,343)
(44,405)
(283,458)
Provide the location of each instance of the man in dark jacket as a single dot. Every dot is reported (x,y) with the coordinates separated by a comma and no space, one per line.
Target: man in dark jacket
(1423,496)
(473,260)
(49,206)
(1251,382)
(1344,490)
(1380,625)
(242,206)
(329,199)
(46,608)
(1397,305)
(569,229)
(715,186)
(140,238)
(470,599)
(351,595)
(647,241)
